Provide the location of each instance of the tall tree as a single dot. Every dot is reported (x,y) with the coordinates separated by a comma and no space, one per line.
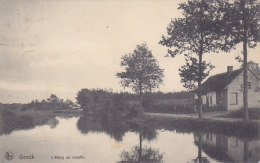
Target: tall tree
(241,18)
(53,99)
(195,33)
(189,72)
(141,71)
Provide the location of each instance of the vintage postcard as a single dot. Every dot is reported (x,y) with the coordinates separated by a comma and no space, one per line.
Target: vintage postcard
(129,81)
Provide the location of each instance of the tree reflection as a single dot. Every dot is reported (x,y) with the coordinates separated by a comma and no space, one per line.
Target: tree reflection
(199,159)
(149,155)
(10,121)
(140,154)
(115,127)
(246,151)
(145,129)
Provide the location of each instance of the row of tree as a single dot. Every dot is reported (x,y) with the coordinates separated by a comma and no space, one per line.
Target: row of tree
(206,26)
(51,103)
(101,101)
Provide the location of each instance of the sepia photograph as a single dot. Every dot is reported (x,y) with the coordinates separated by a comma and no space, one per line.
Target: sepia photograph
(129,81)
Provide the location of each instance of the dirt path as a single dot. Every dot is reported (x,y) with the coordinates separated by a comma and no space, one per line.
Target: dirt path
(210,116)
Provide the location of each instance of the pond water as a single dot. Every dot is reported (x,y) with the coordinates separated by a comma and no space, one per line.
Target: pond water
(88,140)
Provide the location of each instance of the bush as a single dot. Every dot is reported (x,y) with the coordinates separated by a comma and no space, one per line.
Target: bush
(206,108)
(166,108)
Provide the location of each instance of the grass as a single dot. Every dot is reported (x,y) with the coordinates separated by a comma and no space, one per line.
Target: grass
(239,129)
(254,114)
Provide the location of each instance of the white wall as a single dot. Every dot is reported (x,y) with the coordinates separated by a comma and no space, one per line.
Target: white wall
(208,96)
(214,98)
(236,86)
(204,99)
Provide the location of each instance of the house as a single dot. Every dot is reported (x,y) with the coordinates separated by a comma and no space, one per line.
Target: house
(225,91)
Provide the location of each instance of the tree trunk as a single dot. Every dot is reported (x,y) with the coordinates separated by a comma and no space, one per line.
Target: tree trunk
(246,151)
(245,94)
(140,145)
(200,148)
(199,86)
(141,101)
(200,62)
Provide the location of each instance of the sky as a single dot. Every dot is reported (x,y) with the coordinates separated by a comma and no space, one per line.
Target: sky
(62,46)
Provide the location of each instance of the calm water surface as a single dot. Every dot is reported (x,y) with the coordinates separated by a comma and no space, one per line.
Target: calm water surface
(94,141)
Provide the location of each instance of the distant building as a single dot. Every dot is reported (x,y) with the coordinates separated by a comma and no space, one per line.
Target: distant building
(225,90)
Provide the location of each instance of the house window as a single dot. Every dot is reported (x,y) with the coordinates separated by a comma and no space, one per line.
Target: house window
(233,98)
(249,85)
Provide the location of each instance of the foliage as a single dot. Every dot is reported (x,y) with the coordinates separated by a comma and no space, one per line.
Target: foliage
(141,70)
(53,99)
(52,103)
(189,72)
(101,102)
(125,103)
(169,95)
(196,33)
(241,25)
(241,22)
(87,97)
(252,66)
(10,106)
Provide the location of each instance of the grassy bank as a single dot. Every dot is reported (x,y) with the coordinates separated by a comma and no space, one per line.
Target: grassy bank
(254,113)
(238,129)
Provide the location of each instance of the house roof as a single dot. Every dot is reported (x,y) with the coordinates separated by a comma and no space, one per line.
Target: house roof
(219,81)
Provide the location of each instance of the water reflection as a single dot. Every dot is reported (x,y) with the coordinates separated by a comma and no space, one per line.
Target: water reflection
(209,145)
(115,127)
(228,149)
(141,154)
(11,121)
(121,141)
(148,155)
(199,159)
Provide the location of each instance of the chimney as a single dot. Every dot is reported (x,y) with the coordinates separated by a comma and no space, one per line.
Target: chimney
(229,69)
